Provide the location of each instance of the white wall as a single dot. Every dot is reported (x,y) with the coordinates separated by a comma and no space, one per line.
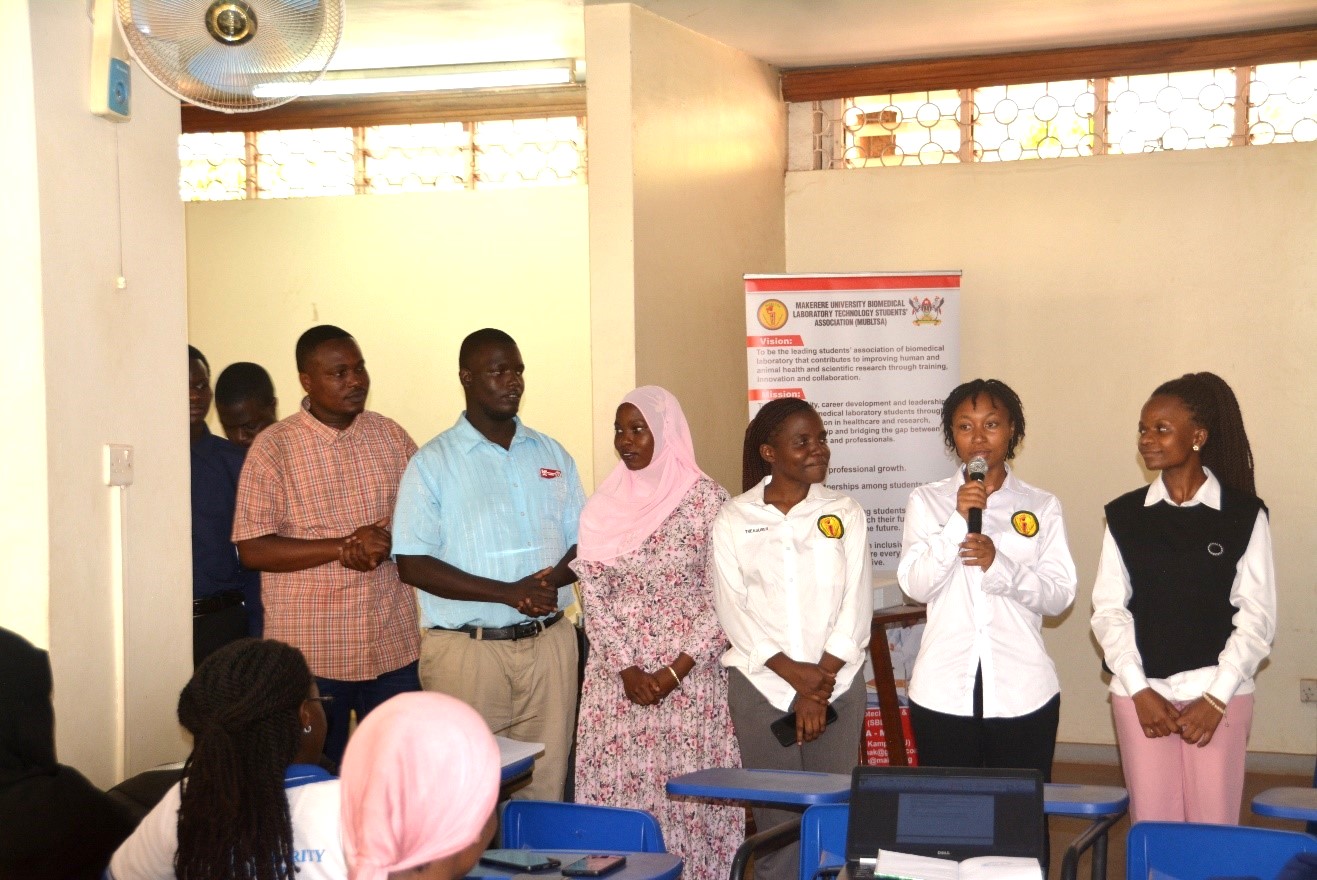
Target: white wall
(687,153)
(106,205)
(409,276)
(1087,283)
(24,469)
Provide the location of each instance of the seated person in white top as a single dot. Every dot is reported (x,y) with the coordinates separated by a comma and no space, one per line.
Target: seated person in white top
(252,804)
(792,591)
(983,692)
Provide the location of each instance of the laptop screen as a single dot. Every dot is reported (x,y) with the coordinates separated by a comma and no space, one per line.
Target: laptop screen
(945,812)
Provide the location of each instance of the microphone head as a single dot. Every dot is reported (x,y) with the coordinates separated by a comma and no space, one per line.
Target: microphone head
(977,468)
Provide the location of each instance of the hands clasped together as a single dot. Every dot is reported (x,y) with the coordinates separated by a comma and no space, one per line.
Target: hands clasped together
(814,684)
(648,688)
(534,595)
(367,547)
(1195,723)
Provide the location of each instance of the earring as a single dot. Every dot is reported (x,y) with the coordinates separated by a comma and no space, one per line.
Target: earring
(306,729)
(1196,447)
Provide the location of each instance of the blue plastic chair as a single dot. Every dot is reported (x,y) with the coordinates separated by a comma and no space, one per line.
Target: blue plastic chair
(1187,851)
(579,828)
(823,838)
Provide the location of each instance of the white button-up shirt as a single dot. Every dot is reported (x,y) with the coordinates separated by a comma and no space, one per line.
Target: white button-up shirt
(1253,593)
(992,618)
(795,583)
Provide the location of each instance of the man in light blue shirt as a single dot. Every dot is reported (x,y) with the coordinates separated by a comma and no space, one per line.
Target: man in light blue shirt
(484,529)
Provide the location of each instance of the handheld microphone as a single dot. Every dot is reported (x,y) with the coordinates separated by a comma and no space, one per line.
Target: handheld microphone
(976,470)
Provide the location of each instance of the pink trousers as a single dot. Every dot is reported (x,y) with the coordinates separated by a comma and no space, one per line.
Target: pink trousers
(1170,780)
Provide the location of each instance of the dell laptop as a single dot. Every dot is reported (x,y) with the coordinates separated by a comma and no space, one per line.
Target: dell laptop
(943,812)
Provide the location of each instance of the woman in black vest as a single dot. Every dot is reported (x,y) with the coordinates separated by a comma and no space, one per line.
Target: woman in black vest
(1185,606)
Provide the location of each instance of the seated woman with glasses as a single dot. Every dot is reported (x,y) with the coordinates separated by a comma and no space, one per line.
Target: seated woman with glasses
(252,804)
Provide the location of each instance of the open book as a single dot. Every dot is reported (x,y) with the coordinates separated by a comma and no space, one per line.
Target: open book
(903,865)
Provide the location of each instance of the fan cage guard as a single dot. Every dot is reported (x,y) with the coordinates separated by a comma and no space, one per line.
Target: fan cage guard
(293,43)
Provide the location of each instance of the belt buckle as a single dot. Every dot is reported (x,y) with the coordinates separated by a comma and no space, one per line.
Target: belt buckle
(527,630)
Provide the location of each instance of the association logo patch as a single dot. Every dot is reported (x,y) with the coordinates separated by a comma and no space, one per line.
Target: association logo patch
(550,473)
(1025,523)
(772,314)
(830,525)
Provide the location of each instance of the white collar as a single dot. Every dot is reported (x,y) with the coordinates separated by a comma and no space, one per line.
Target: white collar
(1209,493)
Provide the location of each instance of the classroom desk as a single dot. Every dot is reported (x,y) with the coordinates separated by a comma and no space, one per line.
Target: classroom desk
(1287,803)
(1104,804)
(516,760)
(639,866)
(774,788)
(791,789)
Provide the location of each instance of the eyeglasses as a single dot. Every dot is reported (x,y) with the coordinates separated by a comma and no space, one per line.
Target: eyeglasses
(322,699)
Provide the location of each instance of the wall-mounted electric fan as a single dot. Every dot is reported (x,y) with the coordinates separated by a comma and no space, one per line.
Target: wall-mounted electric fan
(233,56)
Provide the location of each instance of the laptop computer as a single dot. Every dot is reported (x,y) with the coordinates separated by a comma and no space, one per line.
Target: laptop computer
(943,812)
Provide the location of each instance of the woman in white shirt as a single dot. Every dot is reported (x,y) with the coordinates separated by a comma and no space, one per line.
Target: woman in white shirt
(1184,606)
(252,804)
(983,692)
(792,591)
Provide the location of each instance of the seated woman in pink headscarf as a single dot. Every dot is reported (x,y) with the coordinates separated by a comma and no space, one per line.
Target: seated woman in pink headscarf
(420,780)
(654,701)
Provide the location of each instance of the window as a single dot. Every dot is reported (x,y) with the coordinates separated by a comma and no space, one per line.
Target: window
(337,161)
(1118,99)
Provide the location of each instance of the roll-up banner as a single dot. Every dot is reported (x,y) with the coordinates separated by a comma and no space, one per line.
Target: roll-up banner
(876,354)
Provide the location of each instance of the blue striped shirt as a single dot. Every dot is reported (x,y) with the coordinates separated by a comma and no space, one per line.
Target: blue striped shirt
(492,512)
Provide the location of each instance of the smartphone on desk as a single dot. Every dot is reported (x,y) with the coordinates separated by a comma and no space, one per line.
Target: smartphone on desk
(594,866)
(518,860)
(784,728)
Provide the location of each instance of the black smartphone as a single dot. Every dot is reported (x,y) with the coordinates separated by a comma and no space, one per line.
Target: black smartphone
(518,859)
(784,728)
(594,866)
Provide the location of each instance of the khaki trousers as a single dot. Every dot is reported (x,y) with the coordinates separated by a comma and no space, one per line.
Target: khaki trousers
(524,689)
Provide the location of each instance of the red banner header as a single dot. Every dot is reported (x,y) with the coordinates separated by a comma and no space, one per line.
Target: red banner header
(776,393)
(772,341)
(816,283)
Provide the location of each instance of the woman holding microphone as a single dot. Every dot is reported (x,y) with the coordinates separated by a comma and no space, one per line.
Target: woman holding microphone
(987,552)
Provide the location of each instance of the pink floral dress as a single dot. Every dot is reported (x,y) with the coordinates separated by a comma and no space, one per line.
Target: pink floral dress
(643,609)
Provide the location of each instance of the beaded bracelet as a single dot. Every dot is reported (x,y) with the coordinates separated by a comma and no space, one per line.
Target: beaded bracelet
(674,675)
(1215,703)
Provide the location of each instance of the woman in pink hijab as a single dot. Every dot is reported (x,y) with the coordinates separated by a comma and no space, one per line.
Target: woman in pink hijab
(419,784)
(654,700)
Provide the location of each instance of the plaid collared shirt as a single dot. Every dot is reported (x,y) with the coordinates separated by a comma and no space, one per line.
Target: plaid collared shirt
(304,479)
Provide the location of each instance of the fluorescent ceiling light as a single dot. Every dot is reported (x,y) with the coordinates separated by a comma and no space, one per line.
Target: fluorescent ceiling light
(400,80)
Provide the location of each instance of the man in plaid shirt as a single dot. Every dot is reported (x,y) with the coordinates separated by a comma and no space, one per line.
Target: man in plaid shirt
(314,505)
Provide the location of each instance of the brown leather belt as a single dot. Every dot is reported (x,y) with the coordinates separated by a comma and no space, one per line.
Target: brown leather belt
(528,630)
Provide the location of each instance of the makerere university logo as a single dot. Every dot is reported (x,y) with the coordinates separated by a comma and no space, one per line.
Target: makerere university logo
(927,311)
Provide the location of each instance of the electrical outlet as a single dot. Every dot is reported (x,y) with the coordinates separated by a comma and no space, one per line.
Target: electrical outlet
(118,465)
(1308,690)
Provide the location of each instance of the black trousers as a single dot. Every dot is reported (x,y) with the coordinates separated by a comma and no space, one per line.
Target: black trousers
(1027,741)
(974,741)
(213,631)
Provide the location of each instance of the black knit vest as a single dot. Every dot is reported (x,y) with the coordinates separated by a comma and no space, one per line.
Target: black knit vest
(1181,562)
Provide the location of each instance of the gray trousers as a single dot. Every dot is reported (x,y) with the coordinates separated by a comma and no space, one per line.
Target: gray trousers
(837,751)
